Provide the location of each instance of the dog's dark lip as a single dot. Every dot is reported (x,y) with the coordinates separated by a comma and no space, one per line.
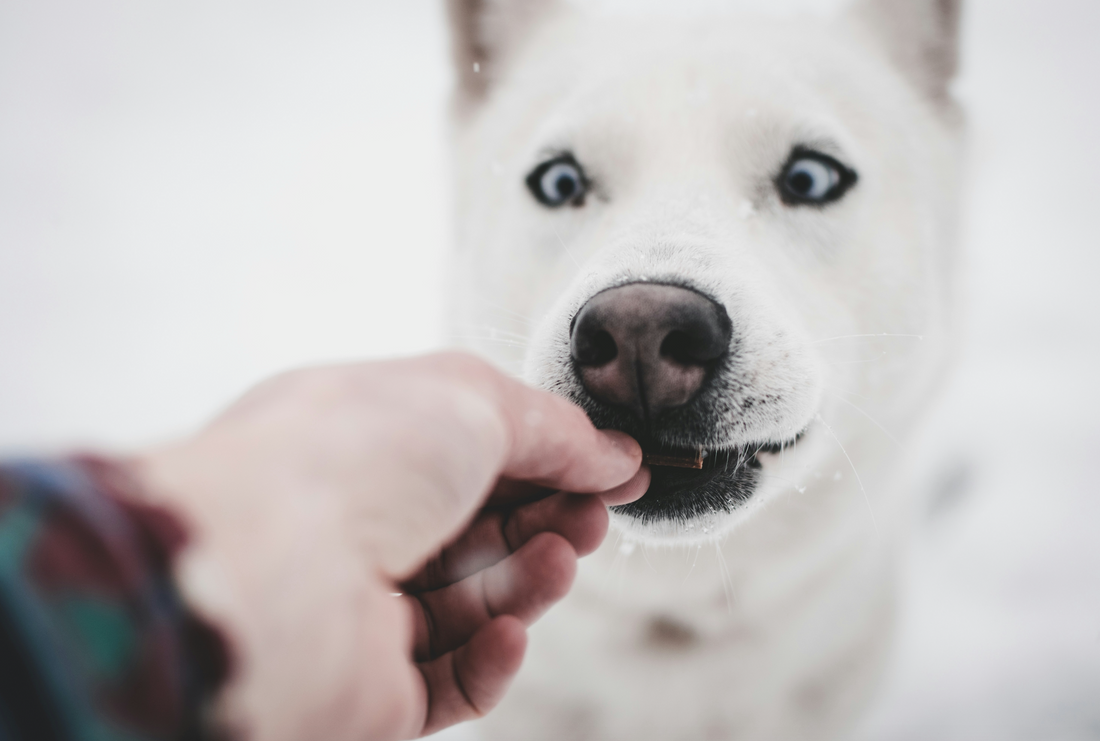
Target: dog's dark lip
(726,478)
(701,458)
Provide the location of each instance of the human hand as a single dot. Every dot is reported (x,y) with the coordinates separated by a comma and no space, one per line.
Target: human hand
(324,491)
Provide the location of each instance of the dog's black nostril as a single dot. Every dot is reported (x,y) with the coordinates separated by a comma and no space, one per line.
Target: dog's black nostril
(648,347)
(594,347)
(695,346)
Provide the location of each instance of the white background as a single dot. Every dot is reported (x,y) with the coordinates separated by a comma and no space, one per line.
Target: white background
(194,195)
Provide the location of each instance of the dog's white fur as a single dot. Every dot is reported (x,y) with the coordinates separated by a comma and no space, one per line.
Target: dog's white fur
(769,622)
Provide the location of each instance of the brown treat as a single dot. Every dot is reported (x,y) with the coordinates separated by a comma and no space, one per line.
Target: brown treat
(675,458)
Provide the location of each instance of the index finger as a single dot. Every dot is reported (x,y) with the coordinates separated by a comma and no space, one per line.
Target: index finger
(550,441)
(554,444)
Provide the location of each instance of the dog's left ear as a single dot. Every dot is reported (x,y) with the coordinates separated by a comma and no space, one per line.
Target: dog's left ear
(920,36)
(484,33)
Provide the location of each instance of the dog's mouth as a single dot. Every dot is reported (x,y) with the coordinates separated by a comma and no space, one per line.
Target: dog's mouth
(691,483)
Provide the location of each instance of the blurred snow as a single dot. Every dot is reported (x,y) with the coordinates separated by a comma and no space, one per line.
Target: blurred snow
(1001,628)
(194,196)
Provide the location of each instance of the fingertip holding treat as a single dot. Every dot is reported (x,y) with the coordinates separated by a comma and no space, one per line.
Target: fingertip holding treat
(624,443)
(628,492)
(618,460)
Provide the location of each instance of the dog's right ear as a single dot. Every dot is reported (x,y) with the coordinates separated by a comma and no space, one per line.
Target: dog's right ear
(920,36)
(484,34)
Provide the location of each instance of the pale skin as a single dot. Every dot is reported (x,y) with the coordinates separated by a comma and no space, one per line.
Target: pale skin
(324,493)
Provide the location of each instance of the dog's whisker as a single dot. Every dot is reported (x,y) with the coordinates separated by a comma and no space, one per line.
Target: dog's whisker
(698,550)
(850,393)
(743,457)
(727,578)
(494,331)
(866,498)
(564,247)
(748,458)
(872,420)
(784,479)
(513,368)
(497,340)
(515,314)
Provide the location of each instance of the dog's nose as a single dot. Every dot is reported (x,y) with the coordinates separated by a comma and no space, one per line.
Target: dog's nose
(648,347)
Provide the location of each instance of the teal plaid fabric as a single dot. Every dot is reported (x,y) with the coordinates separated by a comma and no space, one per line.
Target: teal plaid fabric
(95,644)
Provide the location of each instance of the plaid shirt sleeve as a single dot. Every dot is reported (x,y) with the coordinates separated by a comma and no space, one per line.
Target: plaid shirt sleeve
(95,643)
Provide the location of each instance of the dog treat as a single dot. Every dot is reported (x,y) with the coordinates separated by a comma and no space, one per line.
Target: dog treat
(675,458)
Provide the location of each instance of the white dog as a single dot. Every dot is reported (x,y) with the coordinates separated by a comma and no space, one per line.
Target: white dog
(732,238)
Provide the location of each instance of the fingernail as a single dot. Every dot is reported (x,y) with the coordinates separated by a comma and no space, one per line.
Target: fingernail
(623,443)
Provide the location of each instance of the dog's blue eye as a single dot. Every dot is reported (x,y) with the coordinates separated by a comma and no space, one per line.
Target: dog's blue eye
(814,178)
(558,181)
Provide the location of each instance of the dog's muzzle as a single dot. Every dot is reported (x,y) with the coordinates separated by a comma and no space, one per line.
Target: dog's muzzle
(647,355)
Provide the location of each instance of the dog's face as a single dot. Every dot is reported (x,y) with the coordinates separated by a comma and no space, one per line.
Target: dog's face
(719,237)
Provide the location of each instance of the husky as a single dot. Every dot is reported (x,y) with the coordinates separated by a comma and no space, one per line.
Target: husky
(732,237)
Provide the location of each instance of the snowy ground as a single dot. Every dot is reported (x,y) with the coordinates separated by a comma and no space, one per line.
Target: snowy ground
(194,196)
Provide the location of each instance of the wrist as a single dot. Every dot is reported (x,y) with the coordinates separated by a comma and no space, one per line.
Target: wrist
(272,562)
